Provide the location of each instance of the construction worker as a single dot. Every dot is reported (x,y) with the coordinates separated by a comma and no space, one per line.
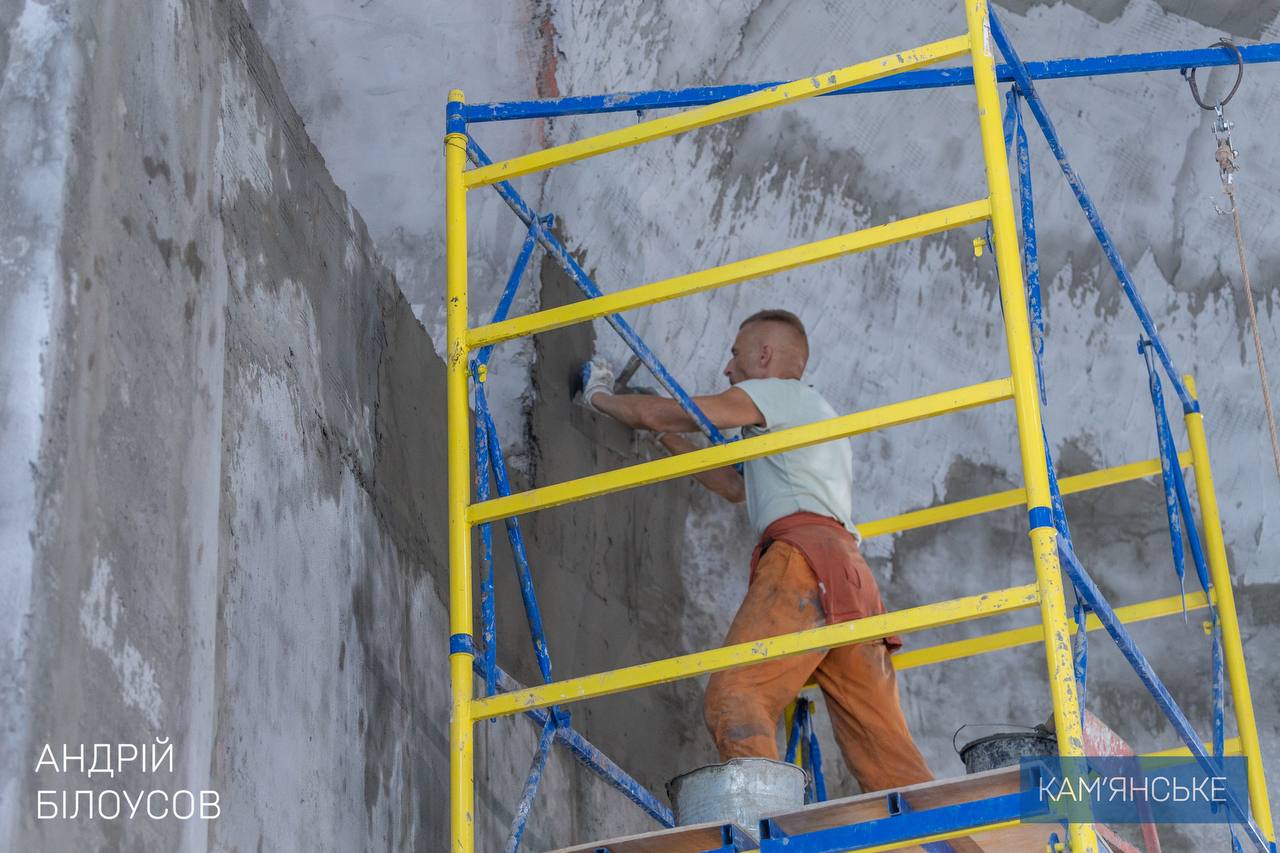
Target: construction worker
(806,569)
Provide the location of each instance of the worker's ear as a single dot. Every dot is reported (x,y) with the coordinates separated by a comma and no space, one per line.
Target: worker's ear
(766,354)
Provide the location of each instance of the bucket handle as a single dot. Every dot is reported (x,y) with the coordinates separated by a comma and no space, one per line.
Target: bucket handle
(964,726)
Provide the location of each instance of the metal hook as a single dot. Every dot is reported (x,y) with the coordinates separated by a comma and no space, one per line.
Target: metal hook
(1190,74)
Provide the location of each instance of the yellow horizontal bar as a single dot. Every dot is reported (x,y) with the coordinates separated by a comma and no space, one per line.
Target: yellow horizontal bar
(913,843)
(1012,497)
(1230,746)
(732,273)
(700,663)
(741,451)
(1141,612)
(764,99)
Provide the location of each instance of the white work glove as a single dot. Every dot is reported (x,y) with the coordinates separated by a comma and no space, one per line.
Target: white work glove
(597,376)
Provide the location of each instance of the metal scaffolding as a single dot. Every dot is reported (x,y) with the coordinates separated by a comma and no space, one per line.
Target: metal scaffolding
(469,350)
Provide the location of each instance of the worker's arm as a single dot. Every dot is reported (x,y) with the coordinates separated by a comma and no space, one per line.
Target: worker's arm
(725,482)
(727,410)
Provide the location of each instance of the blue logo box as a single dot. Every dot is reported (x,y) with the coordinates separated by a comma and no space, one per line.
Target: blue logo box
(1126,789)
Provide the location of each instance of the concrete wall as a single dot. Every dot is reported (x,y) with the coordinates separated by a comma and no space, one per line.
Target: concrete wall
(223,518)
(908,320)
(923,317)
(220,512)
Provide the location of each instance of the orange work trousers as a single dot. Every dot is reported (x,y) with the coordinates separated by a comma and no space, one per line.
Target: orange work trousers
(742,705)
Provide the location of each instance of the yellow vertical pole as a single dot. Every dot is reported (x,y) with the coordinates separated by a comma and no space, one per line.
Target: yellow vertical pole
(1053,611)
(461,651)
(1232,647)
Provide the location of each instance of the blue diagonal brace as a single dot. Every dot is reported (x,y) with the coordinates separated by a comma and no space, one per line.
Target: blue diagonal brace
(531,786)
(586,754)
(509,292)
(1168,465)
(1147,675)
(1027,89)
(516,538)
(584,282)
(488,613)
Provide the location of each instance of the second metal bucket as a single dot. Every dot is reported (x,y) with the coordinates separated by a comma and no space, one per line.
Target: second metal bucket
(1006,749)
(741,790)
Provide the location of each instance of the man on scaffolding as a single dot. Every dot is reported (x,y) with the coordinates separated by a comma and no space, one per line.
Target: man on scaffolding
(806,568)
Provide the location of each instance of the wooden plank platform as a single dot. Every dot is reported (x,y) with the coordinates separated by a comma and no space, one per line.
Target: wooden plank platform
(929,795)
(682,839)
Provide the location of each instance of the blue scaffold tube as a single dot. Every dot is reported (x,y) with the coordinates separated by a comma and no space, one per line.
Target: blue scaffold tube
(488,613)
(1030,248)
(1026,88)
(931,78)
(590,757)
(815,757)
(1169,451)
(516,538)
(1147,675)
(509,293)
(489,458)
(531,786)
(1179,503)
(585,283)
(797,727)
(899,828)
(1168,465)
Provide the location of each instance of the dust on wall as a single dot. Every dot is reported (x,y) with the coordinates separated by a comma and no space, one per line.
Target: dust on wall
(227,529)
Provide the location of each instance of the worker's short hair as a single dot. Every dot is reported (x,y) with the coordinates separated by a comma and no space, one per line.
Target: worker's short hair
(777,315)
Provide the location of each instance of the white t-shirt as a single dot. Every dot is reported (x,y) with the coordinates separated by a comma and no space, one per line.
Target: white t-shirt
(816,479)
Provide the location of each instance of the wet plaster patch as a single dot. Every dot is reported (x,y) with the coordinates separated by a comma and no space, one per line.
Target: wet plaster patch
(101,620)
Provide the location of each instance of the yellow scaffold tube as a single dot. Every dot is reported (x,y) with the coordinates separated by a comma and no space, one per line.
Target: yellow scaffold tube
(1230,746)
(461,733)
(808,87)
(956,510)
(1232,646)
(732,273)
(707,458)
(1014,637)
(740,654)
(1062,685)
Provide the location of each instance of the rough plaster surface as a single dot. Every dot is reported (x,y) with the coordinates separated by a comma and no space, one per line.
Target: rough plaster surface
(901,321)
(371,79)
(624,579)
(223,518)
(923,317)
(919,318)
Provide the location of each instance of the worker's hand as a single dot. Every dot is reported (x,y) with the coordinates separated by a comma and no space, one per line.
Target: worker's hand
(597,376)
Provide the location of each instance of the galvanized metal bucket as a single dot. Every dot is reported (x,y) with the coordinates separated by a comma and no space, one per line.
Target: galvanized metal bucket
(1006,749)
(741,790)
